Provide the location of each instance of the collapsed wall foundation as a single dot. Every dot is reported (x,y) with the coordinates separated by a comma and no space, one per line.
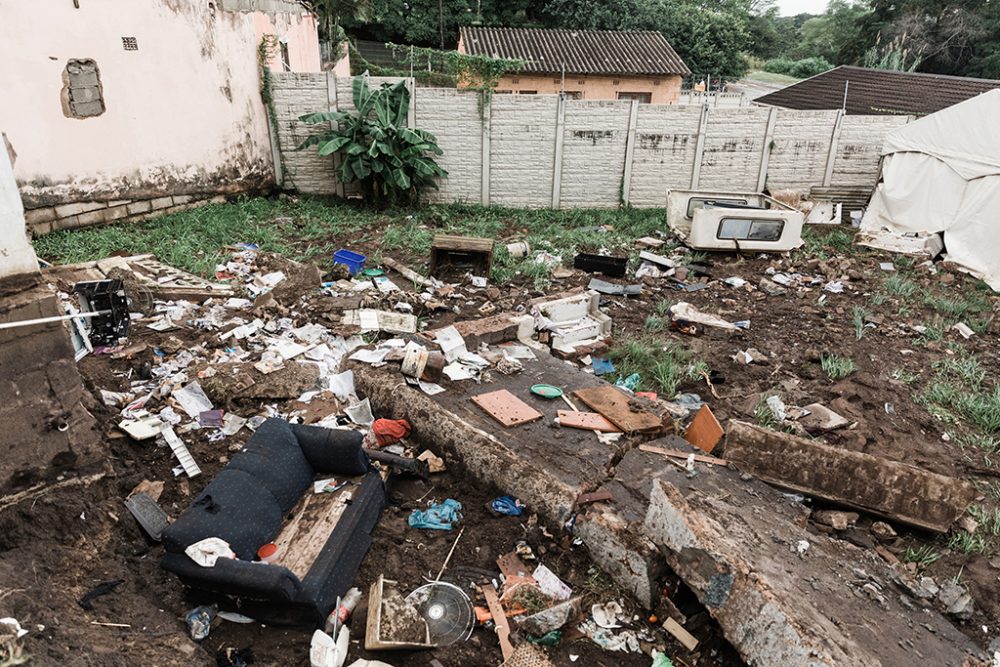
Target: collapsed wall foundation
(735,542)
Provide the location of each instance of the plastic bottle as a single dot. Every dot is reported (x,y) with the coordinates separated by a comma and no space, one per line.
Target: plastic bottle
(340,615)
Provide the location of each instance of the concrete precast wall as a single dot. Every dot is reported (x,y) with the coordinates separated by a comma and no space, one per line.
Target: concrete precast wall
(540,151)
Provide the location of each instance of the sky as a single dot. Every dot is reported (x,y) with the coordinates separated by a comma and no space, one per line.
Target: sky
(793,7)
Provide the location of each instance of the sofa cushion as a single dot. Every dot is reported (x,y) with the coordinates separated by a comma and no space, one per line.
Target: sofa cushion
(333,451)
(235,507)
(273,456)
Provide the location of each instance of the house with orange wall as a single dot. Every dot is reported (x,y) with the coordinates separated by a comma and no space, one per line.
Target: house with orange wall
(583,64)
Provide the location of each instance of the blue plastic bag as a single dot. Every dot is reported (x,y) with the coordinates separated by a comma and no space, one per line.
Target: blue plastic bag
(437,517)
(602,366)
(508,505)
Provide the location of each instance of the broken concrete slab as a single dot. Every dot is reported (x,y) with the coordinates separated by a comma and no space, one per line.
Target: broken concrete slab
(738,545)
(890,489)
(544,465)
(491,330)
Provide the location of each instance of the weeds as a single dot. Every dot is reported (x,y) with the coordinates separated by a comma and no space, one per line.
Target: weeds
(968,543)
(858,317)
(837,367)
(662,368)
(903,375)
(818,243)
(988,520)
(655,324)
(957,307)
(958,389)
(924,556)
(763,415)
(900,286)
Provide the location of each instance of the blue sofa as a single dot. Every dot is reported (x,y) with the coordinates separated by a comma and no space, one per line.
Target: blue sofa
(246,505)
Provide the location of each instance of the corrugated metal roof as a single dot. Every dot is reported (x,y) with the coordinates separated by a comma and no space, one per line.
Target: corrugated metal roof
(641,52)
(878,92)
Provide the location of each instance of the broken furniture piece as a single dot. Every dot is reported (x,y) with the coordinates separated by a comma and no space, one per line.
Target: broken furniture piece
(506,408)
(319,548)
(617,407)
(707,220)
(468,251)
(890,489)
(573,319)
(392,623)
(160,280)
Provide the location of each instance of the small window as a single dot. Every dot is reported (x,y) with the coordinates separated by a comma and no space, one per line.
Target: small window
(616,82)
(643,98)
(502,92)
(744,229)
(581,81)
(528,92)
(286,63)
(130,43)
(82,94)
(694,203)
(515,81)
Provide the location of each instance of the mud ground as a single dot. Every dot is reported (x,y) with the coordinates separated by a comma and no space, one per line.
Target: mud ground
(57,546)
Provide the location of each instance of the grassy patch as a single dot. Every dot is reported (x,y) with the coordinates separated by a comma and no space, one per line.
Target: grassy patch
(959,389)
(661,367)
(837,367)
(828,242)
(956,306)
(900,286)
(903,375)
(308,228)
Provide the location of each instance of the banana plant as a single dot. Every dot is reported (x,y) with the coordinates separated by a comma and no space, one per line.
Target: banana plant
(391,161)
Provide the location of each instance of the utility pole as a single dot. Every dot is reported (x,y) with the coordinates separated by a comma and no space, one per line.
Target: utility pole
(844,106)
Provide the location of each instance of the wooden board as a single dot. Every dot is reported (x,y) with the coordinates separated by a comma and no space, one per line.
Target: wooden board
(614,405)
(678,454)
(506,408)
(314,519)
(891,489)
(588,421)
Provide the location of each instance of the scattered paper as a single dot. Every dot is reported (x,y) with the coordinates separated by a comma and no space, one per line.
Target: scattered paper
(550,584)
(192,400)
(451,343)
(360,413)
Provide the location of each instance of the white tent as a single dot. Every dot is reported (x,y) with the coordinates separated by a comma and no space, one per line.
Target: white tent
(942,174)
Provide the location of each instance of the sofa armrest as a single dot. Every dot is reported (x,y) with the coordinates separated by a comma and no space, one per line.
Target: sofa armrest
(332,451)
(239,578)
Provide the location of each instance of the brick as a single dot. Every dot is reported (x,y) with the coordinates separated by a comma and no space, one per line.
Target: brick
(66,210)
(119,202)
(138,207)
(162,202)
(33,216)
(181,199)
(41,228)
(115,213)
(91,218)
(66,223)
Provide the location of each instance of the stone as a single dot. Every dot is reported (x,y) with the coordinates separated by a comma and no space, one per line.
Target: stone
(834,519)
(883,532)
(968,524)
(956,600)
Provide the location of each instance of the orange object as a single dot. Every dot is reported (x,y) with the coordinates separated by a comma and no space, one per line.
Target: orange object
(390,431)
(482,615)
(704,431)
(268,552)
(506,408)
(653,618)
(588,421)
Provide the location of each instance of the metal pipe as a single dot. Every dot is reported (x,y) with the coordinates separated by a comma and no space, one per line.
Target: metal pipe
(54,318)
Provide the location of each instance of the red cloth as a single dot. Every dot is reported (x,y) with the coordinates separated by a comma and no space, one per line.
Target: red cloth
(390,431)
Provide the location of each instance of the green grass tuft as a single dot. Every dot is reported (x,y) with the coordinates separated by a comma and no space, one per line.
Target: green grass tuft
(837,367)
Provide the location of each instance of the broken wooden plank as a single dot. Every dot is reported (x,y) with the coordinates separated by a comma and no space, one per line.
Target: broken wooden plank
(890,489)
(588,421)
(409,273)
(705,431)
(613,403)
(678,454)
(506,408)
(680,634)
(499,620)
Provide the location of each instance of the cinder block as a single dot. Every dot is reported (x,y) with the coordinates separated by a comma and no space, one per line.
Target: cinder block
(142,206)
(115,213)
(91,218)
(161,202)
(33,216)
(76,208)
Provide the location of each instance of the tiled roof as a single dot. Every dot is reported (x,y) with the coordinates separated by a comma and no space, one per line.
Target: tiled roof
(580,51)
(878,92)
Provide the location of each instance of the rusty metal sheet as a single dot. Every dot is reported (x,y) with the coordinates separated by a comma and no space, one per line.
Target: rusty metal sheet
(614,405)
(588,421)
(506,408)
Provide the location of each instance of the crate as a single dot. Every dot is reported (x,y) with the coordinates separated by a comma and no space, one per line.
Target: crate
(355,262)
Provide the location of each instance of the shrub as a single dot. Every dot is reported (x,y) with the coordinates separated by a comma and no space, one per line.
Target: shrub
(808,67)
(391,161)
